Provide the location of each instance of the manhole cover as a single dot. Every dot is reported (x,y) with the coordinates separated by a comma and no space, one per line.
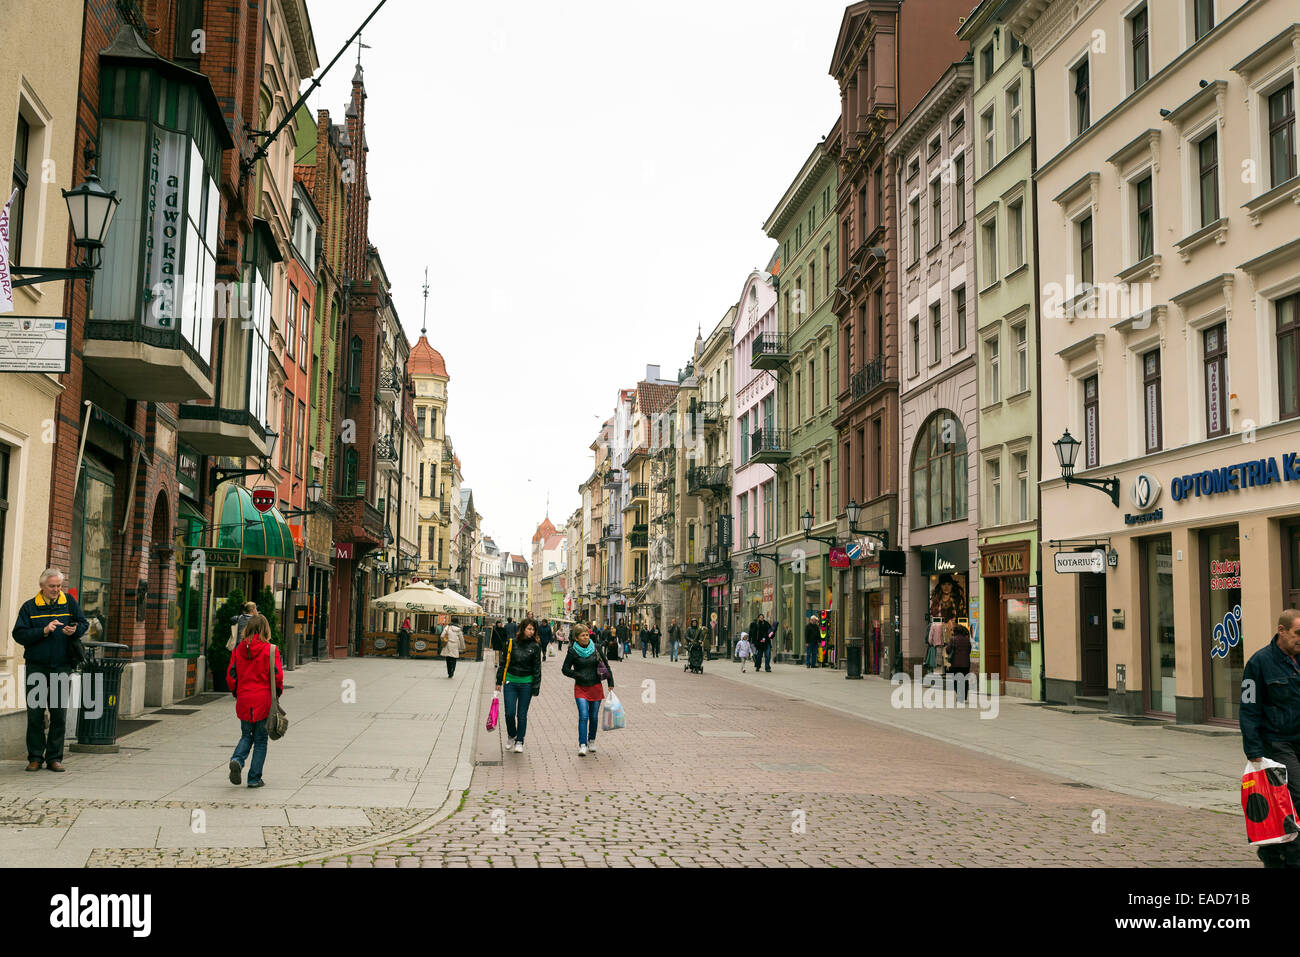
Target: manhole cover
(980,798)
(178,710)
(724,734)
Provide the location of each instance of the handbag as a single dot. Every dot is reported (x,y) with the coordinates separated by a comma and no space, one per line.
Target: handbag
(277,723)
(234,638)
(494,710)
(602,667)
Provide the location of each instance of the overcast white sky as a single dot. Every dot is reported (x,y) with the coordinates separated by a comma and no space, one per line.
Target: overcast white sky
(587,183)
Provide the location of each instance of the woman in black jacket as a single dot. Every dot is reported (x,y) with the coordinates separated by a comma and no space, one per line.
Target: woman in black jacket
(521,672)
(582,664)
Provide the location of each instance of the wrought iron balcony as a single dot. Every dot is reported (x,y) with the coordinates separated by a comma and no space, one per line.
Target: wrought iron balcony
(707,478)
(771,351)
(611,533)
(640,491)
(769,446)
(640,536)
(710,413)
(613,479)
(390,381)
(386,452)
(866,379)
(211,430)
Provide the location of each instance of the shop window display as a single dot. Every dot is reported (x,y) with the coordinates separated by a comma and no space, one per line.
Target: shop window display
(1158,590)
(1223,624)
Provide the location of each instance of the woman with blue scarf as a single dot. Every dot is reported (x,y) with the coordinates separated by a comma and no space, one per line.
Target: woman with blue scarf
(587,666)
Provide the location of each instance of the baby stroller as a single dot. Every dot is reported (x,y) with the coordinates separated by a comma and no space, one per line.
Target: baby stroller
(695,657)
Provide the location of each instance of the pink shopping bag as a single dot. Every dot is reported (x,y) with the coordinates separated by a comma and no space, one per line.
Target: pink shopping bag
(494,713)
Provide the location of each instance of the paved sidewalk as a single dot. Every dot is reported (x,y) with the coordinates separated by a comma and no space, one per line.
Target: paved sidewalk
(712,771)
(375,747)
(1187,769)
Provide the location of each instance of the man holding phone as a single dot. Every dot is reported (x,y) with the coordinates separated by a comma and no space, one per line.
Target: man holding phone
(46,628)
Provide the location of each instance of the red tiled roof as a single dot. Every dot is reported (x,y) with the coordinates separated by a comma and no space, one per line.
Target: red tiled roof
(652,397)
(553,541)
(306,175)
(543,530)
(426,360)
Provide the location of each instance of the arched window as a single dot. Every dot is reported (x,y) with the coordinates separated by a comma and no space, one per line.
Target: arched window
(354,366)
(939,471)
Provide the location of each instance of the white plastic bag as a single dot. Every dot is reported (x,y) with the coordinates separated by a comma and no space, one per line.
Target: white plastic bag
(612,716)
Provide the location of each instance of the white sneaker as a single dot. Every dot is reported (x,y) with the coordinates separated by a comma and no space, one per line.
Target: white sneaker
(519,747)
(592,747)
(510,743)
(582,750)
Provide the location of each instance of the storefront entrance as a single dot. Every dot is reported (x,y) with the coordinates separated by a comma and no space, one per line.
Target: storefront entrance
(1005,644)
(1158,649)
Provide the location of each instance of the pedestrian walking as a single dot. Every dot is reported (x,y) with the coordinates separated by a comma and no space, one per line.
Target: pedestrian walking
(743,651)
(453,646)
(512,628)
(812,639)
(238,623)
(1269,718)
(249,680)
(646,638)
(674,639)
(404,638)
(624,634)
(959,648)
(583,664)
(499,640)
(760,633)
(655,637)
(521,673)
(544,635)
(49,627)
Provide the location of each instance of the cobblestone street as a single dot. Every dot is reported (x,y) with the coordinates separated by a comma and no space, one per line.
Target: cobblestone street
(714,773)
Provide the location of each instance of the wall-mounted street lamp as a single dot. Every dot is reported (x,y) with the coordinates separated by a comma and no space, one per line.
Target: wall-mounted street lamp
(1067,451)
(90,209)
(684,568)
(756,554)
(806,521)
(219,475)
(314,491)
(854,512)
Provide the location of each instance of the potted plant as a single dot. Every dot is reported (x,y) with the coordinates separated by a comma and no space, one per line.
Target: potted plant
(219,634)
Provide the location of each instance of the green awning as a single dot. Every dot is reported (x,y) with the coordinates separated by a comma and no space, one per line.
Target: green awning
(256,535)
(191,530)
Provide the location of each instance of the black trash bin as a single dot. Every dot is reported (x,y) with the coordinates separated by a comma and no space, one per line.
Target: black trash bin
(101,689)
(853,657)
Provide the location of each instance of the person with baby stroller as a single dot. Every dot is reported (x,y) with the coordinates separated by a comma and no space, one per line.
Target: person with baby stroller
(695,648)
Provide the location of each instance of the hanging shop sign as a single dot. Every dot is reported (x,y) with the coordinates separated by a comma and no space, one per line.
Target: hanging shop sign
(221,557)
(753,568)
(1081,563)
(343,551)
(1236,478)
(263,499)
(839,558)
(893,564)
(1005,561)
(947,557)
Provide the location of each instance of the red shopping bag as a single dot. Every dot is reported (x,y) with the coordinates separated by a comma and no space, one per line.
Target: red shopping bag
(1266,802)
(494,713)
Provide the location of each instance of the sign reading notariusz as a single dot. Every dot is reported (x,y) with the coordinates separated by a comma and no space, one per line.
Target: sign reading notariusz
(1081,563)
(33,344)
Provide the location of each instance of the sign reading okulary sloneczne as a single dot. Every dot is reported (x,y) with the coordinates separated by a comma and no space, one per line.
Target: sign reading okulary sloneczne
(1081,563)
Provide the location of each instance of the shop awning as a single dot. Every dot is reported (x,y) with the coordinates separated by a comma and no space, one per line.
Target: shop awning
(256,535)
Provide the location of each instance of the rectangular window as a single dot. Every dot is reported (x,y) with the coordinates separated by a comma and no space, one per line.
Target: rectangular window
(995,492)
(936,213)
(878,450)
(986,64)
(1091,424)
(1014,46)
(22,145)
(798,398)
(1016,237)
(1207,152)
(419,420)
(1137,28)
(1281,134)
(304,333)
(826,387)
(1215,341)
(1015,131)
(1021,333)
(1203,17)
(301,433)
(959,190)
(959,312)
(958,122)
(1151,399)
(812,285)
(1085,249)
(989,137)
(916,346)
(1081,115)
(915,207)
(989,250)
(1288,355)
(880,195)
(285,445)
(1022,486)
(936,334)
(291,322)
(812,388)
(1145,238)
(995,370)
(934,148)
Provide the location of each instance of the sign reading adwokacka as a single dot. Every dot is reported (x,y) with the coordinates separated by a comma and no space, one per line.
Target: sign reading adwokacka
(1232,478)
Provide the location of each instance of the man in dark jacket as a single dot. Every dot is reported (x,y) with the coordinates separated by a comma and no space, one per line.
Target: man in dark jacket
(46,627)
(647,638)
(1270,718)
(812,640)
(512,626)
(624,635)
(760,636)
(674,639)
(544,635)
(959,649)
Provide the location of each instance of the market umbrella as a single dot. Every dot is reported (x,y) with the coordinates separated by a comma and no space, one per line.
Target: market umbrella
(426,599)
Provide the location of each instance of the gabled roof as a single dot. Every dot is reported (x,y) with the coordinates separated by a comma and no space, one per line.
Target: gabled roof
(543,530)
(652,397)
(553,541)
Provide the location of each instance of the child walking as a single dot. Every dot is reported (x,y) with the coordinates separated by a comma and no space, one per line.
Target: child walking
(744,650)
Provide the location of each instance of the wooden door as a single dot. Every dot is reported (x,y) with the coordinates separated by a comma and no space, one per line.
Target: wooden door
(1092,631)
(993,641)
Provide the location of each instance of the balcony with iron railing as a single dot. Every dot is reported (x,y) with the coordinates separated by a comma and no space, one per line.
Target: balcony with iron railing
(707,478)
(639,538)
(769,446)
(386,453)
(771,351)
(611,533)
(710,413)
(390,382)
(640,493)
(868,378)
(613,479)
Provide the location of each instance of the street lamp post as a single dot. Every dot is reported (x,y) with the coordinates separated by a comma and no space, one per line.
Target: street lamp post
(853,510)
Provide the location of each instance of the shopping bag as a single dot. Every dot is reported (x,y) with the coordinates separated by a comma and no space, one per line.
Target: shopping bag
(1266,802)
(494,712)
(611,714)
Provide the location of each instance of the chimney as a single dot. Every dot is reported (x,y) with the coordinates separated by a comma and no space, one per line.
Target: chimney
(652,373)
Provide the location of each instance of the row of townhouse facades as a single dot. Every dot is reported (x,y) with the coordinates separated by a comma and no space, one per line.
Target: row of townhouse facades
(238,333)
(1041,238)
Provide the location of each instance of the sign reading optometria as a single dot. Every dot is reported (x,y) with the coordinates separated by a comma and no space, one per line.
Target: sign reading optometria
(1234,478)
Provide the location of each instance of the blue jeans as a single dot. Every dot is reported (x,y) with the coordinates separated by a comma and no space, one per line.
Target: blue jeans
(761,653)
(518,696)
(810,655)
(673,647)
(253,737)
(588,720)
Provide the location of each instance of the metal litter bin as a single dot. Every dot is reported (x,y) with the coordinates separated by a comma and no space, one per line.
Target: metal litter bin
(853,657)
(101,688)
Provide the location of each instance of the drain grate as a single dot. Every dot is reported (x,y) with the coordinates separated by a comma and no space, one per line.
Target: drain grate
(176,711)
(130,726)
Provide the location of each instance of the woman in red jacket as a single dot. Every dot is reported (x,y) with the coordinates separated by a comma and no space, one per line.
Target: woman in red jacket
(249,679)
